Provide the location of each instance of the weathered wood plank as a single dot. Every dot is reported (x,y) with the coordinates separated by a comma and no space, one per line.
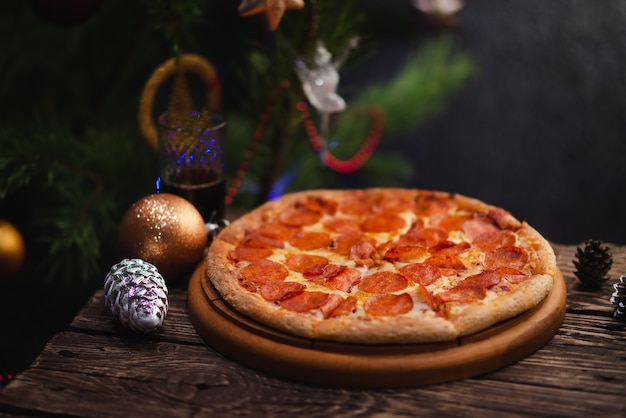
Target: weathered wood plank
(182,375)
(155,377)
(194,397)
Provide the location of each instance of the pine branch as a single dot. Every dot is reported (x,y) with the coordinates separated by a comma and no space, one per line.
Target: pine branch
(422,88)
(73,193)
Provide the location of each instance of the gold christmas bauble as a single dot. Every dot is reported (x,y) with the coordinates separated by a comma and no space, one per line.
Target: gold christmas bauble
(165,230)
(11,250)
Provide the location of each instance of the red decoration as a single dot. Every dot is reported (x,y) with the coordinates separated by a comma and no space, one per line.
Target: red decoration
(5,378)
(363,153)
(341,166)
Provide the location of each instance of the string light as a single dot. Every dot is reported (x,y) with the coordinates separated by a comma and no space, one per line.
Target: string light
(6,378)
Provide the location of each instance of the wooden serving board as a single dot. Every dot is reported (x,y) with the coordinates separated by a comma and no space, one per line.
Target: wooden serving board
(359,365)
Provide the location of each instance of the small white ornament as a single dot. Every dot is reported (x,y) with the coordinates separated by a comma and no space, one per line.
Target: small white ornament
(136,294)
(320,83)
(445,7)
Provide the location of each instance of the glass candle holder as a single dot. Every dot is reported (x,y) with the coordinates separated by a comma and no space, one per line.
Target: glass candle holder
(192,161)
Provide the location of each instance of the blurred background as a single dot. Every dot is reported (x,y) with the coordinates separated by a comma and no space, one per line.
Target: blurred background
(519,104)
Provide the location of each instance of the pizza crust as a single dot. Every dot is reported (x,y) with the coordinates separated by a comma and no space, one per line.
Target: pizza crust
(463,318)
(468,319)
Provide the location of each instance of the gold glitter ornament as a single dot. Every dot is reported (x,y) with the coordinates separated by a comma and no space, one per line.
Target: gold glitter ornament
(165,230)
(12,250)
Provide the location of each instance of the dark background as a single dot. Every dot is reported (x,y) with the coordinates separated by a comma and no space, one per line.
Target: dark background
(540,128)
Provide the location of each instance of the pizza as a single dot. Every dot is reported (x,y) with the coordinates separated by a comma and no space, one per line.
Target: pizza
(380,265)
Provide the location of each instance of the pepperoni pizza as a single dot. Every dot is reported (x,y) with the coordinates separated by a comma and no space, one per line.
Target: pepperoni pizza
(380,265)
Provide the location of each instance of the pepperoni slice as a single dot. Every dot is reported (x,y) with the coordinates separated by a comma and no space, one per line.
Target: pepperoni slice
(415,227)
(356,205)
(362,253)
(421,291)
(243,253)
(255,239)
(275,291)
(249,286)
(346,307)
(471,288)
(412,235)
(382,222)
(329,307)
(452,222)
(299,215)
(320,204)
(310,240)
(400,202)
(300,262)
(343,244)
(512,275)
(491,240)
(277,231)
(441,245)
(264,271)
(345,280)
(430,237)
(462,294)
(319,272)
(305,301)
(430,204)
(445,261)
(383,282)
(423,274)
(406,253)
(508,256)
(475,227)
(503,219)
(388,305)
(450,248)
(341,225)
(486,279)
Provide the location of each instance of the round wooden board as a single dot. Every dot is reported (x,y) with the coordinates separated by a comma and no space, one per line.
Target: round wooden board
(357,365)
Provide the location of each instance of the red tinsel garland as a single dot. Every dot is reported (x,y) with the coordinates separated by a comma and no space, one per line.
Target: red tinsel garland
(349,165)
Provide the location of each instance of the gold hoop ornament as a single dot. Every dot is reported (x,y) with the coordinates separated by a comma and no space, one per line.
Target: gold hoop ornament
(187,63)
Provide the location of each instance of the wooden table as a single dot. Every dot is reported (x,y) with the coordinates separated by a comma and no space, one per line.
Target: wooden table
(96,369)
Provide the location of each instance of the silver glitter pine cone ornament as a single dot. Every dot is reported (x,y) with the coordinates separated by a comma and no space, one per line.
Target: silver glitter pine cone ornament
(136,294)
(592,263)
(618,298)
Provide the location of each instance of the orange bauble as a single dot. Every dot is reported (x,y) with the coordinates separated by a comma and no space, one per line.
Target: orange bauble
(11,250)
(165,230)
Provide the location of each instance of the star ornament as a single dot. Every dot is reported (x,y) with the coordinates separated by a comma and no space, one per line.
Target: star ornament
(273,9)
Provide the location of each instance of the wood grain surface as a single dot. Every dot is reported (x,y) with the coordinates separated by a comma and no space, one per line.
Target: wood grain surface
(97,369)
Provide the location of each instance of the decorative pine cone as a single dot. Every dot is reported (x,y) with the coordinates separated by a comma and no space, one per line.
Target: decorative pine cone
(618,298)
(593,263)
(136,294)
